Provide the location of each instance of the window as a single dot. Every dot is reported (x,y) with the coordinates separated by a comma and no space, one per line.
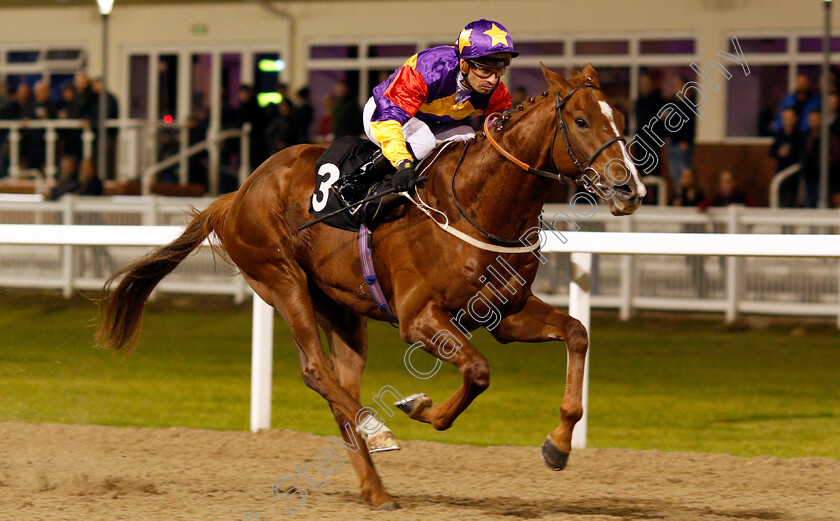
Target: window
(602,47)
(775,61)
(666,47)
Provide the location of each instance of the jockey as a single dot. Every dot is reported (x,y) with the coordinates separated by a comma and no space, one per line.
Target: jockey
(426,99)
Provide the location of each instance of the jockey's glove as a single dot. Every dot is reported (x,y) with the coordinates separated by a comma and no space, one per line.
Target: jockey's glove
(403,180)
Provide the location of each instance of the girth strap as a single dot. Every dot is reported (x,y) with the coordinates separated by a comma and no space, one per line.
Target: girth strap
(368,271)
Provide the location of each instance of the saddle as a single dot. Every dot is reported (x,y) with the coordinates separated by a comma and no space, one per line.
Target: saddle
(341,180)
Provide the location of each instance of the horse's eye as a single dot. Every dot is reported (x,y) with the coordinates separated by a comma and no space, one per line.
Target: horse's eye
(580,122)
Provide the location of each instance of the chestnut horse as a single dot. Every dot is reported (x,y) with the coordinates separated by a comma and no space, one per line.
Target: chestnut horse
(313,277)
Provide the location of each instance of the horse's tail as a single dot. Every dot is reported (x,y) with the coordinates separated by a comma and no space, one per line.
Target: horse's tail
(121,309)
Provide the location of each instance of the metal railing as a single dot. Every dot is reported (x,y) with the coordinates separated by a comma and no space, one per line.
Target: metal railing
(794,287)
(138,144)
(211,145)
(778,179)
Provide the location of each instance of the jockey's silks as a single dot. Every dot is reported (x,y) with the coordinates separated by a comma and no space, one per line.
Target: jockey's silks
(429,87)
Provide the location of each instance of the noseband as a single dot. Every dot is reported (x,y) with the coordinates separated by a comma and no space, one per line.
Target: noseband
(583,167)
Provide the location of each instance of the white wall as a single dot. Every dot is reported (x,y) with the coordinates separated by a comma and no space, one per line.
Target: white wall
(711,21)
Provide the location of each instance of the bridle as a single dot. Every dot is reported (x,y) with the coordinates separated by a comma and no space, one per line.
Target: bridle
(583,167)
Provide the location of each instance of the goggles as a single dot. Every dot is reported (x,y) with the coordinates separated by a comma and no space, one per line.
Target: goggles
(488,68)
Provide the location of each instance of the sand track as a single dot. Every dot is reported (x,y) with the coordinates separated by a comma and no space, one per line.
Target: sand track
(93,473)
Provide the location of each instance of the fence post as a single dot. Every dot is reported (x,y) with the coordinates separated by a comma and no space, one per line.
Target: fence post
(14,152)
(50,139)
(67,264)
(87,143)
(245,154)
(628,263)
(261,360)
(579,308)
(733,269)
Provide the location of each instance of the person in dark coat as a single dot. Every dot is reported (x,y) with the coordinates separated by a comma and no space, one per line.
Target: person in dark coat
(811,159)
(346,112)
(304,115)
(646,109)
(787,150)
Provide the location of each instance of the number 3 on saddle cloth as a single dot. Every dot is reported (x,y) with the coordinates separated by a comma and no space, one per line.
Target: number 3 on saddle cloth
(340,180)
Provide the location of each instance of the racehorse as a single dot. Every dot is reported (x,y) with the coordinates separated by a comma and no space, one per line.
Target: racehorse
(313,277)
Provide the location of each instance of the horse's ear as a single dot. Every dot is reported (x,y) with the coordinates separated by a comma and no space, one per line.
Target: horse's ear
(591,75)
(554,78)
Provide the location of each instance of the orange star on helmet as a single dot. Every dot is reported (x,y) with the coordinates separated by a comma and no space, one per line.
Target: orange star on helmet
(498,36)
(464,39)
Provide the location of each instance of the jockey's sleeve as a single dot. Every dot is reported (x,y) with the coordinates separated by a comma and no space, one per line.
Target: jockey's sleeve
(399,103)
(500,100)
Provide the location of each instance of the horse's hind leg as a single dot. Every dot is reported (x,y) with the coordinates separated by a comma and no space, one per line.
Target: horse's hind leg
(347,336)
(286,289)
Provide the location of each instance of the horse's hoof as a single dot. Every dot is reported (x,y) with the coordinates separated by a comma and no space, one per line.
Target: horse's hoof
(382,441)
(555,458)
(415,402)
(388,507)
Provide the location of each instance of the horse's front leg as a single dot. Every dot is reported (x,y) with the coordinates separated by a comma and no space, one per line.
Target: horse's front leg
(432,330)
(539,322)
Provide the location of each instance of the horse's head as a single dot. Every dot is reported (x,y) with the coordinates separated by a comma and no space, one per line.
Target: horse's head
(588,141)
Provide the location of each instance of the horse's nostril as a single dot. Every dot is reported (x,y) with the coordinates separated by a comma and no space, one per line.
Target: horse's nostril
(624,192)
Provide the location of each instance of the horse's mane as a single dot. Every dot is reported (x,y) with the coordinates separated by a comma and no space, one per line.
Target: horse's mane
(524,108)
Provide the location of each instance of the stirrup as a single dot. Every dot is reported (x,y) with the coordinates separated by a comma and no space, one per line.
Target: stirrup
(378,167)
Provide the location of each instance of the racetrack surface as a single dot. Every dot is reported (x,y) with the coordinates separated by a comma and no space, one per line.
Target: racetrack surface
(84,472)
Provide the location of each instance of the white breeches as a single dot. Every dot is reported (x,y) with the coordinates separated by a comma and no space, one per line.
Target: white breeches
(421,138)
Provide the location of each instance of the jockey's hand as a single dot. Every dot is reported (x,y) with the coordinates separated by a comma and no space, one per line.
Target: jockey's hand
(403,180)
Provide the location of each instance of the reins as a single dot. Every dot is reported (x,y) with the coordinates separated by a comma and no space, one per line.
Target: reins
(569,141)
(583,168)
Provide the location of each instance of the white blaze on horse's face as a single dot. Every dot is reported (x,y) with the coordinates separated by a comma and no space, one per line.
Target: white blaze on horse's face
(640,189)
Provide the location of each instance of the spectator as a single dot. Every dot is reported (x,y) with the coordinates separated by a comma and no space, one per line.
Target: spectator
(646,109)
(89,183)
(22,108)
(727,193)
(688,193)
(324,127)
(346,112)
(304,115)
(787,149)
(249,111)
(681,142)
(811,159)
(69,140)
(68,178)
(4,99)
(112,112)
(834,113)
(283,91)
(803,101)
(282,131)
(82,106)
(34,147)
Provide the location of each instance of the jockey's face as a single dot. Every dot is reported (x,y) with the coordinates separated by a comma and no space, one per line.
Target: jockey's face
(480,77)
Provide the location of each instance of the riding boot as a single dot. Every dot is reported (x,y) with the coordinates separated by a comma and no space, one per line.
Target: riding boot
(378,167)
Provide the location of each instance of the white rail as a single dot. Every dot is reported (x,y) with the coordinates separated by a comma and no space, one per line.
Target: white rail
(580,244)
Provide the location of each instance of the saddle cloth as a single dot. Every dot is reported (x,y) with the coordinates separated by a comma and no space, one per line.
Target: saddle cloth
(337,166)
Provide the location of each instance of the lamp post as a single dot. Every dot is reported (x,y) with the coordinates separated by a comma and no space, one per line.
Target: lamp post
(105,7)
(826,67)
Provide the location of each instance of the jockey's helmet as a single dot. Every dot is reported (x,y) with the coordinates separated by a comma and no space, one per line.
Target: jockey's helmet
(482,38)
